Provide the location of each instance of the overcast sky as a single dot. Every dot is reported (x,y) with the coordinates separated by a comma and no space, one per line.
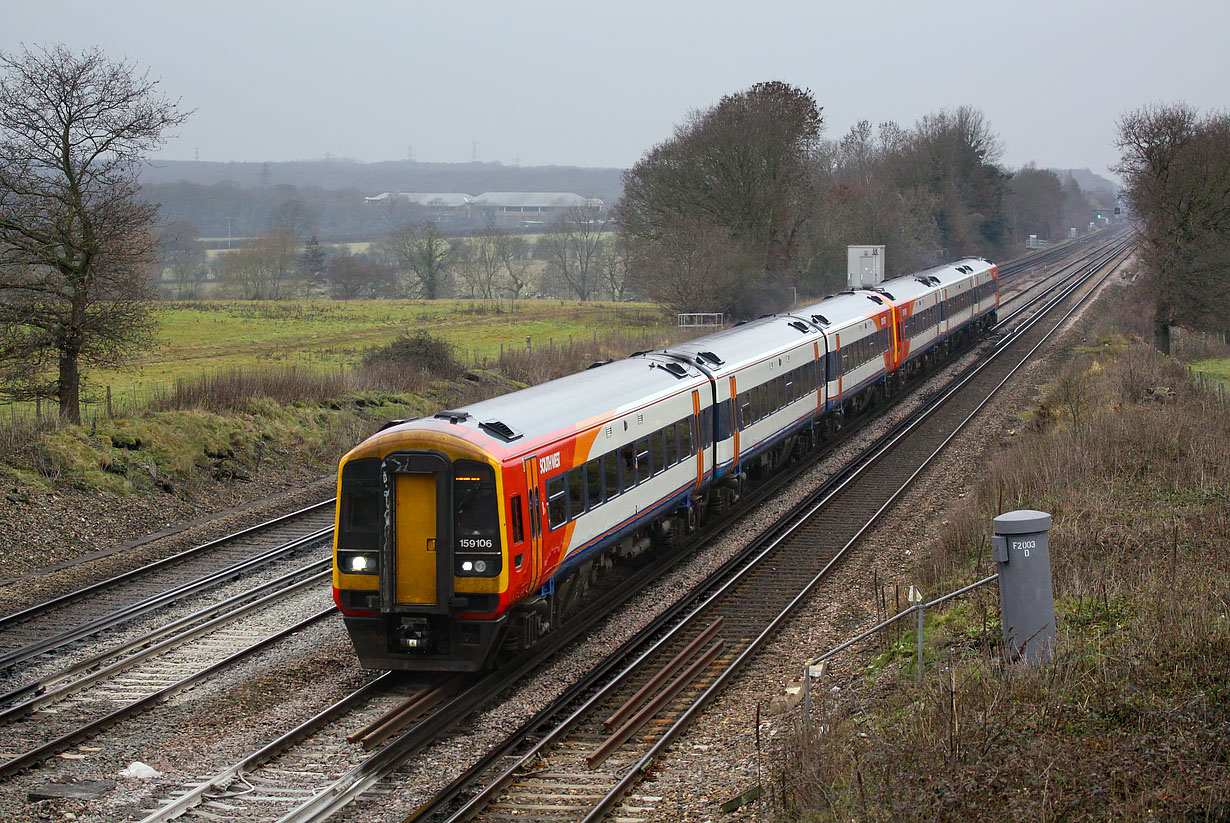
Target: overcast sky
(597,84)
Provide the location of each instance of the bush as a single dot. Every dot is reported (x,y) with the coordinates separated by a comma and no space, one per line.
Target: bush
(419,351)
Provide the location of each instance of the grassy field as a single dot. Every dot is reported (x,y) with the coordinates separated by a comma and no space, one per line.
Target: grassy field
(208,336)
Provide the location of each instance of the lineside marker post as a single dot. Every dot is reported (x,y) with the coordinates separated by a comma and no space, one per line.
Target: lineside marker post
(1020,548)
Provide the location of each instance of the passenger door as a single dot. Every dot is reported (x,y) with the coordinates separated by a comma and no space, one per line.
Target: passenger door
(536,515)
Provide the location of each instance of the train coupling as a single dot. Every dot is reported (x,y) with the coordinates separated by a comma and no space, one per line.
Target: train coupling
(412,634)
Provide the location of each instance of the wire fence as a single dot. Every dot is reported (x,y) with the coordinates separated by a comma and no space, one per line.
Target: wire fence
(1209,383)
(817,666)
(108,401)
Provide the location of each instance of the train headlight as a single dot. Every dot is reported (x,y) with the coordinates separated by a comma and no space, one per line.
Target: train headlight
(358,562)
(477,565)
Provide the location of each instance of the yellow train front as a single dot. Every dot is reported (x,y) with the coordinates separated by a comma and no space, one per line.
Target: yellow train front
(419,570)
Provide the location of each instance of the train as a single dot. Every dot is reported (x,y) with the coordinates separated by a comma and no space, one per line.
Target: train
(465,537)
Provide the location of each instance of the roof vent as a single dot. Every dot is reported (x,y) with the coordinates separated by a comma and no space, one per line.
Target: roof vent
(711,357)
(598,363)
(390,424)
(820,319)
(500,429)
(453,417)
(800,325)
(676,369)
(875,299)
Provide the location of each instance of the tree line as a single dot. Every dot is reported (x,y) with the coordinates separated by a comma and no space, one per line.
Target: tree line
(577,256)
(745,205)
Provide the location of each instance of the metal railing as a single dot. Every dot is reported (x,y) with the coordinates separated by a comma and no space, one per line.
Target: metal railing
(919,610)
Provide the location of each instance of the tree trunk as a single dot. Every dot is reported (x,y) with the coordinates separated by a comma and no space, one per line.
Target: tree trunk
(68,392)
(1161,337)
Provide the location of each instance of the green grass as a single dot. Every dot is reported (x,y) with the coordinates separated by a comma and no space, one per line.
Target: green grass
(196,337)
(1218,368)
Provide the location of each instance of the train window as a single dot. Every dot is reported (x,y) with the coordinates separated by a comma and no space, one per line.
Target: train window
(671,433)
(515,517)
(610,473)
(725,424)
(627,461)
(576,492)
(557,502)
(642,460)
(593,482)
(474,502)
(657,447)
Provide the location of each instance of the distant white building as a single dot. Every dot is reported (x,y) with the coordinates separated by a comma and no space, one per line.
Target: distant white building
(506,208)
(532,202)
(431,199)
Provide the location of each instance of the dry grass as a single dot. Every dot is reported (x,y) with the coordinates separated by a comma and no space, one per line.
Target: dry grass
(1132,721)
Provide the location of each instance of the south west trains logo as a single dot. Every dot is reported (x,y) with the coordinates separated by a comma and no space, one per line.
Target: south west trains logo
(546,464)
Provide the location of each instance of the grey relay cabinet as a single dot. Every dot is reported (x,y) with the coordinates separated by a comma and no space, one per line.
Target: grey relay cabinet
(1021,551)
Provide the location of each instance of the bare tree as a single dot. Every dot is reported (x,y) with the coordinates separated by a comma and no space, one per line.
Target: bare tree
(264,268)
(743,169)
(571,244)
(421,253)
(1177,168)
(613,266)
(480,264)
(692,267)
(516,259)
(183,255)
(356,275)
(76,242)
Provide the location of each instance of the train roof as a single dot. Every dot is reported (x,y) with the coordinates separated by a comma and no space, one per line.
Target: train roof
(601,391)
(840,310)
(730,348)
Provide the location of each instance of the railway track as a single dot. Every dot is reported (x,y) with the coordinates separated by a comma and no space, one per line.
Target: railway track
(599,743)
(37,643)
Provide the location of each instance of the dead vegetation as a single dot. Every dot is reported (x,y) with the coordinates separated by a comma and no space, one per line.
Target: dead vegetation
(1132,721)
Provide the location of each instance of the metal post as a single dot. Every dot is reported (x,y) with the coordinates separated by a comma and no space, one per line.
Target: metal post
(918,669)
(806,702)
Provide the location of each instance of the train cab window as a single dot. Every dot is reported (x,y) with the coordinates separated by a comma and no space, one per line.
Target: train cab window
(474,501)
(362,508)
(576,493)
(557,502)
(516,518)
(643,464)
(657,447)
(593,482)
